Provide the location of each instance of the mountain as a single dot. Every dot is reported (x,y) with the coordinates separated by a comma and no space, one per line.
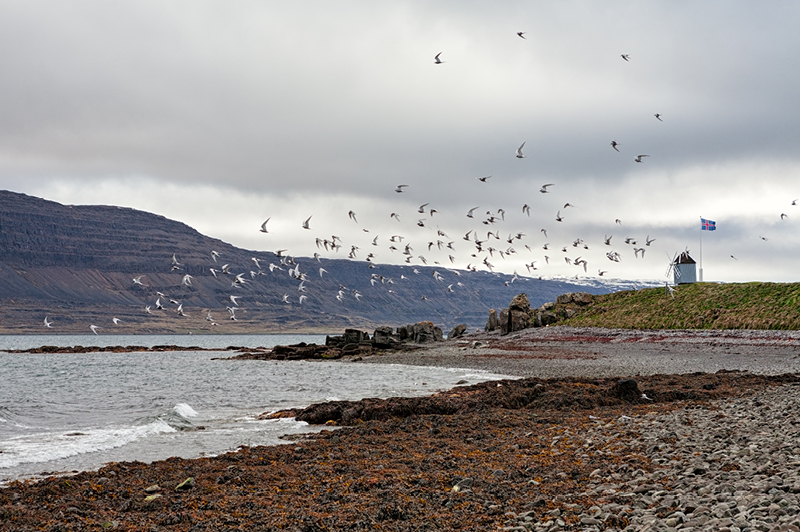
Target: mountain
(76,265)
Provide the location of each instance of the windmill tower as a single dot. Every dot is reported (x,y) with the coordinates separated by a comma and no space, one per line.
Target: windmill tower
(683,269)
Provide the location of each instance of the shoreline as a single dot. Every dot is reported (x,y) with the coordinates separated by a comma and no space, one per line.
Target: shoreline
(560,450)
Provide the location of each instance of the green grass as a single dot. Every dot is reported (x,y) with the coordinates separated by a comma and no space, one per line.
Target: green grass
(697,306)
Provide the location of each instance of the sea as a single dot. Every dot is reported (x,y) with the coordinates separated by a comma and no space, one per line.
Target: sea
(63,413)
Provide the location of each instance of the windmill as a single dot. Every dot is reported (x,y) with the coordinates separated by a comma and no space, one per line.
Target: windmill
(683,268)
(672,270)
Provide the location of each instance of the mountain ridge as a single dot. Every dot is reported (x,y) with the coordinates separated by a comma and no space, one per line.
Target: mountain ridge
(76,264)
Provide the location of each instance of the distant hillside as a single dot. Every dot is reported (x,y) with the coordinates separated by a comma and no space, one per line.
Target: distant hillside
(698,306)
(76,265)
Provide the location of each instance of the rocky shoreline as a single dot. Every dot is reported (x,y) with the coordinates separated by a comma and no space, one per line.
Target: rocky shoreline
(617,430)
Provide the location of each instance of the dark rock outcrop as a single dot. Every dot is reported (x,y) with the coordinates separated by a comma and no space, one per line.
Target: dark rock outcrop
(492,323)
(457,331)
(421,333)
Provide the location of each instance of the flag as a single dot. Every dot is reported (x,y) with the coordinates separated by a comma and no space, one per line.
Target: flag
(707,225)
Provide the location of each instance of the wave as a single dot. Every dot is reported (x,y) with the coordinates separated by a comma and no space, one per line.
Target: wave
(184,410)
(48,446)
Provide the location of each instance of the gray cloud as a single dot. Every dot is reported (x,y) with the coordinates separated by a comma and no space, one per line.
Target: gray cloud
(272,103)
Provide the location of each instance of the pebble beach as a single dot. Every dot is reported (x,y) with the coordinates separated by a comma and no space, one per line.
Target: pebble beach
(709,441)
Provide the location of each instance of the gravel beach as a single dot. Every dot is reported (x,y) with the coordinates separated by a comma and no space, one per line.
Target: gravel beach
(593,352)
(607,430)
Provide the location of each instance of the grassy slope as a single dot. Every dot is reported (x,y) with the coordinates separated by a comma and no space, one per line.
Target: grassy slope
(697,306)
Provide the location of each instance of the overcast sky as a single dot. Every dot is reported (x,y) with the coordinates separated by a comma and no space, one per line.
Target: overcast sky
(221,114)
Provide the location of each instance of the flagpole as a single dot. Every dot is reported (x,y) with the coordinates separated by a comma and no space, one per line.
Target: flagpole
(701,249)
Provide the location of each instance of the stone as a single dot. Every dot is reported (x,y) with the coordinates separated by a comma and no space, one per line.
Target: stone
(492,322)
(520,302)
(457,331)
(519,320)
(564,299)
(502,321)
(354,336)
(578,298)
(187,484)
(548,318)
(426,332)
(383,337)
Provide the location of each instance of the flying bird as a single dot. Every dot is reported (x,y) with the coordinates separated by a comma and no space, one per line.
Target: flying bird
(214,255)
(400,188)
(469,214)
(421,209)
(483,179)
(784,216)
(352,216)
(526,209)
(519,151)
(138,280)
(638,158)
(614,144)
(48,324)
(437,60)
(116,321)
(626,57)
(305,224)
(658,116)
(544,190)
(94,328)
(521,34)
(264,226)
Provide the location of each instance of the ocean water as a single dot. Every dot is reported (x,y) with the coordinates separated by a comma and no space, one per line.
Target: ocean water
(206,341)
(69,412)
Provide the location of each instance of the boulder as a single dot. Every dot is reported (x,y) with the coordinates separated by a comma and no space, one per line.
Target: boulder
(350,336)
(564,299)
(547,318)
(518,320)
(517,316)
(582,298)
(579,298)
(457,331)
(520,302)
(354,336)
(383,337)
(502,322)
(491,323)
(425,332)
(405,332)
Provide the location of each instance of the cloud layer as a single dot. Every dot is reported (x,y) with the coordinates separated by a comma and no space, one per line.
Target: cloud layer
(223,115)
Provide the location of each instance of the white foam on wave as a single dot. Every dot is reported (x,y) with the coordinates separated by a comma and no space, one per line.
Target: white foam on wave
(47,446)
(184,410)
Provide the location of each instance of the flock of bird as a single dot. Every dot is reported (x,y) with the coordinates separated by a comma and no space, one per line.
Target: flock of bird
(486,242)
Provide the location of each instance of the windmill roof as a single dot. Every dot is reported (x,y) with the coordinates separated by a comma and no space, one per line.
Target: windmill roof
(684,258)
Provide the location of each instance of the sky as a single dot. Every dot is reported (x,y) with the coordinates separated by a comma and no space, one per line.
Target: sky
(224,114)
